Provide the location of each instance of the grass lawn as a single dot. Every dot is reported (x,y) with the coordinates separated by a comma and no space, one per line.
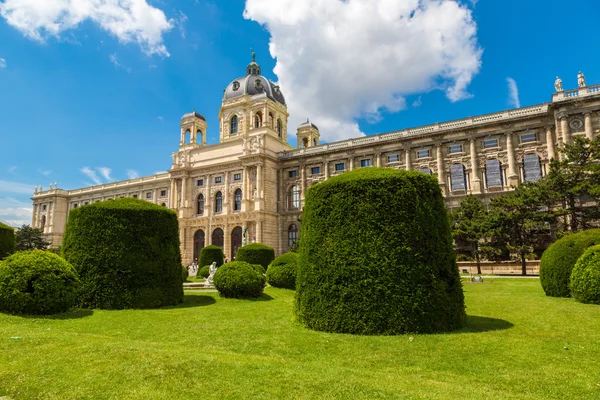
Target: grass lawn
(213,348)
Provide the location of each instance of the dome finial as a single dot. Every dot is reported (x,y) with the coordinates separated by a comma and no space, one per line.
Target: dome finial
(253,55)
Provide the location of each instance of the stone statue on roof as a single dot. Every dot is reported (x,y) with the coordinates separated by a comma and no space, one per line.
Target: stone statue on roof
(558,84)
(581,79)
(253,55)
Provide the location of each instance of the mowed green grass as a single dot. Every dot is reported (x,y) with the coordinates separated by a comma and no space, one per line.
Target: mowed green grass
(213,348)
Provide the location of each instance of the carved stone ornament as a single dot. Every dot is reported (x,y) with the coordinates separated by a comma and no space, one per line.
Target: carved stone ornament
(576,124)
(236,85)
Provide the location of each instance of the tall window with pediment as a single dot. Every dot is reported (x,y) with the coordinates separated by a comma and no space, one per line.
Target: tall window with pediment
(200,204)
(219,202)
(237,200)
(293,198)
(233,126)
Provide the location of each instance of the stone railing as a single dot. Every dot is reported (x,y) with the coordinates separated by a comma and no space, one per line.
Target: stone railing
(419,131)
(579,92)
(112,185)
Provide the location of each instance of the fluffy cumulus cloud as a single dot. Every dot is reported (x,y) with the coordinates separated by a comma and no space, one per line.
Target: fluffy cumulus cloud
(341,60)
(131,21)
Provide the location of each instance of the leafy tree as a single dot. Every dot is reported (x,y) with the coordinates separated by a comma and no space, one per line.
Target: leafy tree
(574,181)
(469,226)
(28,238)
(518,220)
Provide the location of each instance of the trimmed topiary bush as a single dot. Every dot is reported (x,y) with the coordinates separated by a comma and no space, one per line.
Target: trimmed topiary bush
(367,271)
(585,278)
(184,273)
(282,271)
(127,254)
(256,253)
(239,279)
(204,271)
(7,241)
(210,254)
(559,259)
(258,268)
(37,282)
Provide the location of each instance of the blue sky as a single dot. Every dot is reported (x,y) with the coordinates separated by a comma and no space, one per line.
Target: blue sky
(93,96)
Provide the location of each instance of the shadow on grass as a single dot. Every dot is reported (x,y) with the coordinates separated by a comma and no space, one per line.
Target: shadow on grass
(73,314)
(484,324)
(191,300)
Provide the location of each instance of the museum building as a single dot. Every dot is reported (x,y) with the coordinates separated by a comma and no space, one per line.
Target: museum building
(250,186)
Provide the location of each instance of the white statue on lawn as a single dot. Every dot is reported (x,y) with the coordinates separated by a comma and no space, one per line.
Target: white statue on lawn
(211,273)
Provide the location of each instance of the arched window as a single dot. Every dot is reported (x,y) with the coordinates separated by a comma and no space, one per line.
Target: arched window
(292,235)
(236,240)
(271,120)
(200,207)
(217,237)
(258,119)
(43,223)
(198,243)
(314,142)
(188,137)
(293,198)
(233,127)
(305,142)
(219,202)
(237,200)
(199,137)
(279,128)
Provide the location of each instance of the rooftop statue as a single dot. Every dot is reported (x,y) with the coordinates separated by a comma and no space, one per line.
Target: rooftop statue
(558,84)
(581,79)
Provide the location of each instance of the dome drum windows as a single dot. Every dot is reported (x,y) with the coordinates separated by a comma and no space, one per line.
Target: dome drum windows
(233,125)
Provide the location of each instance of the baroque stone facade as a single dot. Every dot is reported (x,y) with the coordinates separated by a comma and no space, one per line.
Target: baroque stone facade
(250,187)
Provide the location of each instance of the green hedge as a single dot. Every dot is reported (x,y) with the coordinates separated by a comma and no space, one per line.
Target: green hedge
(210,254)
(204,271)
(282,271)
(585,278)
(239,279)
(37,282)
(256,253)
(376,256)
(559,259)
(258,268)
(127,254)
(7,241)
(184,274)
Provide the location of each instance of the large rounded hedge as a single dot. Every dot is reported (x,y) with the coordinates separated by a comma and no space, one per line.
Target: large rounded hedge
(585,278)
(238,279)
(37,282)
(282,271)
(210,254)
(376,256)
(559,259)
(256,253)
(204,271)
(7,240)
(127,254)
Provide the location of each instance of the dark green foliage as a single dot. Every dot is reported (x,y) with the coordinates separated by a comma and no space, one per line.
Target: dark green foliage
(127,254)
(559,259)
(256,253)
(184,274)
(239,279)
(7,240)
(28,238)
(204,271)
(365,271)
(37,282)
(210,254)
(585,278)
(282,271)
(469,227)
(258,268)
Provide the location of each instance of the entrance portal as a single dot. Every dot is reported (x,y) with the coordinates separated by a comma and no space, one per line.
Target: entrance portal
(198,243)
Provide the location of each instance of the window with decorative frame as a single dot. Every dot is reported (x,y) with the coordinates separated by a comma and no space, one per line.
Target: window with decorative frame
(163,193)
(529,137)
(237,200)
(365,163)
(455,148)
(293,198)
(489,143)
(200,182)
(292,235)
(293,173)
(200,204)
(423,153)
(219,202)
(237,177)
(393,158)
(340,167)
(315,170)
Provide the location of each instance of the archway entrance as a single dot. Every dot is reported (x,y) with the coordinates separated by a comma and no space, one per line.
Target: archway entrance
(217,237)
(236,240)
(198,243)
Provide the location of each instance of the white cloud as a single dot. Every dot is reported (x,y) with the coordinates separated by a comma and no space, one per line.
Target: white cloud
(2,63)
(341,60)
(513,93)
(180,22)
(417,102)
(105,172)
(90,173)
(113,59)
(132,174)
(16,187)
(131,21)
(45,172)
(14,212)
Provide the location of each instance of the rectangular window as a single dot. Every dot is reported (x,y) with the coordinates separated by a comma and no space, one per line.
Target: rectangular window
(529,137)
(365,163)
(163,193)
(87,202)
(493,173)
(425,170)
(149,195)
(218,179)
(44,207)
(423,153)
(393,158)
(200,182)
(457,177)
(237,177)
(455,148)
(135,196)
(315,170)
(532,169)
(490,143)
(340,166)
(293,173)
(75,205)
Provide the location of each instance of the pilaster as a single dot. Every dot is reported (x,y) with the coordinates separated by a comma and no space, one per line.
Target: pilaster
(440,168)
(589,133)
(513,178)
(550,143)
(475,180)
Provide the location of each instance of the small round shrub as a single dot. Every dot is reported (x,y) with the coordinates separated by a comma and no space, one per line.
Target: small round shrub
(585,278)
(37,282)
(7,241)
(376,256)
(282,271)
(204,271)
(258,268)
(239,279)
(210,254)
(559,259)
(126,252)
(256,253)
(184,273)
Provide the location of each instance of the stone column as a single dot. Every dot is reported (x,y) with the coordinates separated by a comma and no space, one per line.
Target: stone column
(589,133)
(259,187)
(303,183)
(34,215)
(408,160)
(326,169)
(184,192)
(350,163)
(513,178)
(227,242)
(550,143)
(475,180)
(564,127)
(226,196)
(208,204)
(440,168)
(172,195)
(378,163)
(259,231)
(245,192)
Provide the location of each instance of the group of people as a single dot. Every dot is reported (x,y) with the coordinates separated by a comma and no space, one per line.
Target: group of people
(193,268)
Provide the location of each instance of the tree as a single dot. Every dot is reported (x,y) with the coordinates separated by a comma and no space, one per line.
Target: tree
(574,181)
(468,224)
(28,238)
(519,219)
